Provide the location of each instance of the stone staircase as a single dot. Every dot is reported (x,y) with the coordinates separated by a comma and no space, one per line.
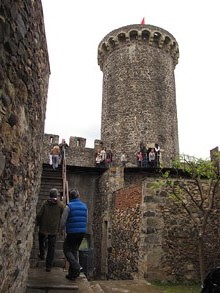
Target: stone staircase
(40,281)
(49,179)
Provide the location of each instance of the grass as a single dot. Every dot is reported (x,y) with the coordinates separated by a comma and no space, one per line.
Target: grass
(174,288)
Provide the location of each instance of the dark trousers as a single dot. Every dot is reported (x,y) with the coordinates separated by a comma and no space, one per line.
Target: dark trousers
(47,242)
(70,248)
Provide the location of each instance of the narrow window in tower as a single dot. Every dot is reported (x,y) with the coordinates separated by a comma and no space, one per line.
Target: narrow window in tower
(112,42)
(156,38)
(133,35)
(121,38)
(145,36)
(167,41)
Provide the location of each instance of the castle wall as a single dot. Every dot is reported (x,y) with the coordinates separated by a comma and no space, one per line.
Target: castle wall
(24,74)
(139,100)
(126,231)
(180,257)
(77,154)
(150,236)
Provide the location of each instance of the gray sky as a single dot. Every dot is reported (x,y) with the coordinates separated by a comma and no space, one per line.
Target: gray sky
(74,30)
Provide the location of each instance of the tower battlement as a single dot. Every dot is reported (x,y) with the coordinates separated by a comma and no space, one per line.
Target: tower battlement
(147,35)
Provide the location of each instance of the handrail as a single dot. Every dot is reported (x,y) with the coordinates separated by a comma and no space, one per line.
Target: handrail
(65,182)
(65,191)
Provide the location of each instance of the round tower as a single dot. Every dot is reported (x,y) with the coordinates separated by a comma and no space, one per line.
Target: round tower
(139,100)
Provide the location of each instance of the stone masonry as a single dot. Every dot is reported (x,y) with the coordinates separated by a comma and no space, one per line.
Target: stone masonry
(126,219)
(24,74)
(151,237)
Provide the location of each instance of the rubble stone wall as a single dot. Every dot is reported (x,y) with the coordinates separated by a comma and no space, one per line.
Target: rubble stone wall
(152,236)
(110,181)
(125,239)
(24,74)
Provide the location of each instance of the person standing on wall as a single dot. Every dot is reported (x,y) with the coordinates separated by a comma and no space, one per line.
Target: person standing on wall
(157,153)
(48,220)
(123,159)
(55,152)
(152,158)
(63,146)
(74,219)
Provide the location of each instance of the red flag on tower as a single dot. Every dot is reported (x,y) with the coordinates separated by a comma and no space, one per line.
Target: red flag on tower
(143,21)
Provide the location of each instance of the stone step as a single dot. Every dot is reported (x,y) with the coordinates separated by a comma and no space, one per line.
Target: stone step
(51,175)
(45,189)
(55,281)
(58,253)
(96,288)
(37,263)
(40,281)
(59,243)
(50,179)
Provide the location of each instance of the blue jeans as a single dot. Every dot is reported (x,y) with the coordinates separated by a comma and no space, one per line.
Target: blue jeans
(70,248)
(55,161)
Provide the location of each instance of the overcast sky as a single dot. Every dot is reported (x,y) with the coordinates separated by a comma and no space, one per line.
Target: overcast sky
(74,30)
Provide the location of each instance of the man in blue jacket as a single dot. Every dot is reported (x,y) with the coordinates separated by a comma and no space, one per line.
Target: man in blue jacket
(74,218)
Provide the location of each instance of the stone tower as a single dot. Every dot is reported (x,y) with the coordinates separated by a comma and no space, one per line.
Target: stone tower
(139,100)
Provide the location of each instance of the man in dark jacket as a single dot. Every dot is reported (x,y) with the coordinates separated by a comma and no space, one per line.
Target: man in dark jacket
(74,218)
(48,220)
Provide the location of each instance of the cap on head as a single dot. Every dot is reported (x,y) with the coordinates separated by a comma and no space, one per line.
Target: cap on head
(74,193)
(54,193)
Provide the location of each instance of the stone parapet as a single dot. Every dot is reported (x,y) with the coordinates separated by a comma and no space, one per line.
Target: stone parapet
(77,154)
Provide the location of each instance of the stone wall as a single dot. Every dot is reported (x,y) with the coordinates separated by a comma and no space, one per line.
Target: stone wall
(126,228)
(152,227)
(24,74)
(180,238)
(110,181)
(153,238)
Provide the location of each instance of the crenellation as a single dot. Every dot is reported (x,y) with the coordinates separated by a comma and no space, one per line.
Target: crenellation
(146,34)
(77,154)
(122,38)
(78,142)
(161,42)
(151,39)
